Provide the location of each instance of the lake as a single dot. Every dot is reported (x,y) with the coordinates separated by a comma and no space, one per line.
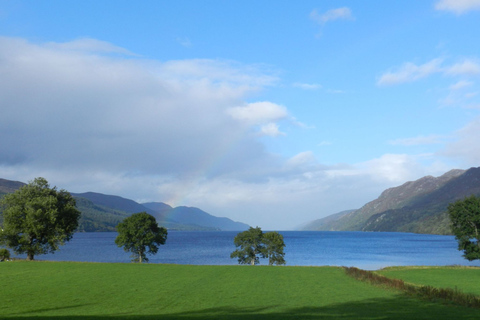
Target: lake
(365,250)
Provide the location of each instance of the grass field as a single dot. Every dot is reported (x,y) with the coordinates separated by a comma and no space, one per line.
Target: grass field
(462,278)
(63,290)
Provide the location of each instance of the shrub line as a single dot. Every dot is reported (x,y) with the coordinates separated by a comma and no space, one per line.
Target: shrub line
(426,292)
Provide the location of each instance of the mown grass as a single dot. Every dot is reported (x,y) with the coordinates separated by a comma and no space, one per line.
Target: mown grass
(66,290)
(446,295)
(466,279)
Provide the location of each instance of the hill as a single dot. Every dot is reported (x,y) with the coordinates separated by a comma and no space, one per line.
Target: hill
(328,223)
(113,202)
(8,186)
(417,206)
(102,212)
(97,218)
(194,216)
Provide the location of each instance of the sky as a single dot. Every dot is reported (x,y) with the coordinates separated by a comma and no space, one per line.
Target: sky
(272,113)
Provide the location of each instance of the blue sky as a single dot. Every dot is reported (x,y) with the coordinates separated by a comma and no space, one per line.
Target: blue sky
(269,113)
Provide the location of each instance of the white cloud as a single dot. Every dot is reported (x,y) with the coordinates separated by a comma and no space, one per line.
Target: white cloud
(307,86)
(88,45)
(396,168)
(460,85)
(76,109)
(465,146)
(258,112)
(224,74)
(272,130)
(302,158)
(466,67)
(331,15)
(322,19)
(420,140)
(458,6)
(409,72)
(462,93)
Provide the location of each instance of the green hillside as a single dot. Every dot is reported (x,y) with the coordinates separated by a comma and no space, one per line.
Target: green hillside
(100,212)
(194,217)
(417,206)
(97,218)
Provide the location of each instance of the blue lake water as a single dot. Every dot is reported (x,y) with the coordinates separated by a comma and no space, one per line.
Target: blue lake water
(365,250)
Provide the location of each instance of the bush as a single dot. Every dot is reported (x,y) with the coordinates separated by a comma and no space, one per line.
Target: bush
(4,254)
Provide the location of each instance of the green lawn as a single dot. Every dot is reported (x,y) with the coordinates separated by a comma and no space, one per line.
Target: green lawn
(463,278)
(63,290)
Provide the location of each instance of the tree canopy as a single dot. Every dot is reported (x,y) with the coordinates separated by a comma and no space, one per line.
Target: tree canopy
(38,219)
(140,235)
(465,218)
(249,246)
(274,245)
(253,244)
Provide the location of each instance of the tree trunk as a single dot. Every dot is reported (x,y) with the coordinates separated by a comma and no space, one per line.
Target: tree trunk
(140,257)
(253,262)
(30,252)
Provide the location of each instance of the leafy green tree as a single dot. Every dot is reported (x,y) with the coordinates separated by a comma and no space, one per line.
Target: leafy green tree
(4,254)
(249,246)
(465,218)
(254,244)
(274,245)
(37,219)
(140,234)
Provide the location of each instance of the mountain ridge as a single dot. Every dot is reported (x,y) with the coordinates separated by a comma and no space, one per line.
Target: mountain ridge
(8,186)
(195,216)
(416,206)
(102,212)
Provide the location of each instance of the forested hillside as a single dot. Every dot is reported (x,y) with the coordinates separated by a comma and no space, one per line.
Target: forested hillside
(417,206)
(102,212)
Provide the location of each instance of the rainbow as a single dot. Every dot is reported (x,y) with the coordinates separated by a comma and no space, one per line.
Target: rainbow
(206,166)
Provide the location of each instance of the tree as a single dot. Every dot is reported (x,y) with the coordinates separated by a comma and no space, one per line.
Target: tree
(274,248)
(37,219)
(4,254)
(253,244)
(465,218)
(140,234)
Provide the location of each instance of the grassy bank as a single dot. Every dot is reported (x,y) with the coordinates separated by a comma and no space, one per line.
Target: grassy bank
(62,290)
(463,278)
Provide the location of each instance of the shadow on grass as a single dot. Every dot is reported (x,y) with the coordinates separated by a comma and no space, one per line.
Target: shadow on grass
(29,312)
(401,307)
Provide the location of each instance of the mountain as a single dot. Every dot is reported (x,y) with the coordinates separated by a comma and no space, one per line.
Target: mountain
(194,216)
(417,206)
(328,223)
(102,212)
(113,202)
(158,207)
(96,217)
(8,186)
